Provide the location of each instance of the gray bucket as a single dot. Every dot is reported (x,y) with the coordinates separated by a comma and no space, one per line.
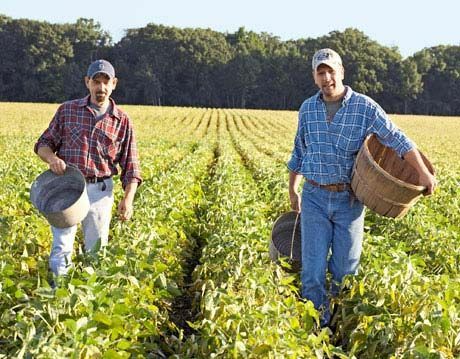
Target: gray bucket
(286,240)
(62,199)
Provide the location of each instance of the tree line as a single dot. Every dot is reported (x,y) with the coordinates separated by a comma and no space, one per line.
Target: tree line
(163,65)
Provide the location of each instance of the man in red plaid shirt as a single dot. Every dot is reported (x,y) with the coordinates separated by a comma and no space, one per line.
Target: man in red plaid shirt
(95,136)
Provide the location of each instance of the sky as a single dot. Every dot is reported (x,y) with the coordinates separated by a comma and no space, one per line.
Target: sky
(411,25)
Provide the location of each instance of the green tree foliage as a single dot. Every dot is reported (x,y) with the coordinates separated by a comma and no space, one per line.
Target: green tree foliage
(440,71)
(171,66)
(33,56)
(89,42)
(44,62)
(163,65)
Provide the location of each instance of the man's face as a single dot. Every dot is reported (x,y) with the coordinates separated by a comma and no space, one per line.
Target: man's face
(329,81)
(100,88)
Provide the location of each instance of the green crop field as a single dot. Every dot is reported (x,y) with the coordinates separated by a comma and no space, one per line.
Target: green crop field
(190,275)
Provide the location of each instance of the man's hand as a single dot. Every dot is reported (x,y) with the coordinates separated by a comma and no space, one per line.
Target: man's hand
(125,209)
(427,180)
(55,164)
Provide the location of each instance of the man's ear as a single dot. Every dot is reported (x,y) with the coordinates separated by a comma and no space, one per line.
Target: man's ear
(114,82)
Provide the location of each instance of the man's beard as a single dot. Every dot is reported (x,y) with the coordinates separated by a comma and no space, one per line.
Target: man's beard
(101,95)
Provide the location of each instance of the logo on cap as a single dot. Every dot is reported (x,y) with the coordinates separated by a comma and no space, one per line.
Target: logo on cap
(101,66)
(328,57)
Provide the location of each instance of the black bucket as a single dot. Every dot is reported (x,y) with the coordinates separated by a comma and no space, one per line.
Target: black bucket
(286,241)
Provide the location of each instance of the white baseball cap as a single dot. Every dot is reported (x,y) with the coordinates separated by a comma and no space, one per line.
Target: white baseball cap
(328,57)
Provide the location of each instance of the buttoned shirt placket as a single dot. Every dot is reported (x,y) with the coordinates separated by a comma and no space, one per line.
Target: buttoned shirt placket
(92,141)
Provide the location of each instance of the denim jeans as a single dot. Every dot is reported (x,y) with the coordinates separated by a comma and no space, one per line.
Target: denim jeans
(332,225)
(95,226)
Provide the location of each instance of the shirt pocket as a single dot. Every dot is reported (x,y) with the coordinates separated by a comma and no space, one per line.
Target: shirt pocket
(350,140)
(107,143)
(75,136)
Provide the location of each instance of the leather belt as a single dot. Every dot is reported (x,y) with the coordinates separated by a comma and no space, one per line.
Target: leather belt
(96,179)
(333,187)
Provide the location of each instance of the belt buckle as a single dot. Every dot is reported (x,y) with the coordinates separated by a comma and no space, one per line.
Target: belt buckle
(91,179)
(340,187)
(330,187)
(336,187)
(333,187)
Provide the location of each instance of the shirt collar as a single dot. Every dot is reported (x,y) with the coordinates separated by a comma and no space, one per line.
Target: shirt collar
(83,102)
(345,99)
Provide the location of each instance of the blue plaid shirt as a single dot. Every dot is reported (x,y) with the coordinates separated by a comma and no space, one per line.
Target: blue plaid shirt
(325,151)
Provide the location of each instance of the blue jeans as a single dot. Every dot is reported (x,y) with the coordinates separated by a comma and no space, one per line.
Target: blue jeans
(332,225)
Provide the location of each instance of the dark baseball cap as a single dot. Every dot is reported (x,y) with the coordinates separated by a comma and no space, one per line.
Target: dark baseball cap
(101,66)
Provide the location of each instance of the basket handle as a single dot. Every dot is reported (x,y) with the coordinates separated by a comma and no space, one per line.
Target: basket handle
(293,235)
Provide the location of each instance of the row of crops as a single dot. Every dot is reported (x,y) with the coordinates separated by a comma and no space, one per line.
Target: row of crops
(190,276)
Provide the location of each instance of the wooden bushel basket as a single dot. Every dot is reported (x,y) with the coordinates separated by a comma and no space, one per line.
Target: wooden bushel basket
(285,240)
(383,181)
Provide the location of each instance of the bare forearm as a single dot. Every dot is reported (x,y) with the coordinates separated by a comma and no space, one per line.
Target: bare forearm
(294,196)
(130,191)
(294,181)
(46,154)
(414,158)
(425,179)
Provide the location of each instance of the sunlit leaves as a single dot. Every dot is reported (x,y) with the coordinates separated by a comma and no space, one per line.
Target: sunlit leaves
(215,180)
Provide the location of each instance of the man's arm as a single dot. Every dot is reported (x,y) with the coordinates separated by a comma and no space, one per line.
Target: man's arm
(426,179)
(56,164)
(294,196)
(130,173)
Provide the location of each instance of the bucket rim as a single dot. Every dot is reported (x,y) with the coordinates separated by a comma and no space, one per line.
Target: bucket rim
(70,169)
(279,218)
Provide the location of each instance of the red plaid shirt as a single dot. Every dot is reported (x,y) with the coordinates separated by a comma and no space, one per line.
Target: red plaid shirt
(95,147)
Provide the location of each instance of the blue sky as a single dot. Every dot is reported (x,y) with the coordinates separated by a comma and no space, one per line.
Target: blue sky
(410,25)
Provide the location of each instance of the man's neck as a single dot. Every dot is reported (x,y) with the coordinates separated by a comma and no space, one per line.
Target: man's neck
(335,98)
(104,104)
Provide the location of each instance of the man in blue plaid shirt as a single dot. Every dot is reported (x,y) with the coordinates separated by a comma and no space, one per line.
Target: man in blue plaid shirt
(333,125)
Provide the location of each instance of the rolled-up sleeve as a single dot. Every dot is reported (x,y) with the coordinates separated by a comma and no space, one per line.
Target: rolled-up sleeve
(129,160)
(295,163)
(389,134)
(52,137)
